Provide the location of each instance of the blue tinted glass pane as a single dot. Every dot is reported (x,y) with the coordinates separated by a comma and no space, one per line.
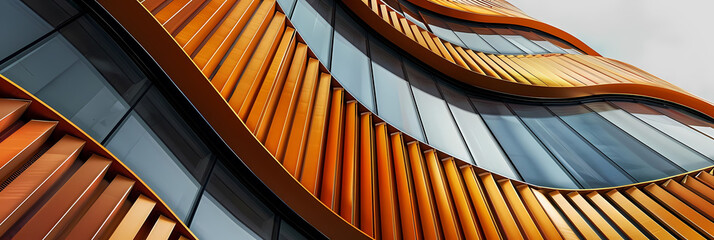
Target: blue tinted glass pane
(21,26)
(440,29)
(441,130)
(549,46)
(533,162)
(287,6)
(586,164)
(312,19)
(287,232)
(394,99)
(663,144)
(484,148)
(213,221)
(471,39)
(674,129)
(690,120)
(631,155)
(350,63)
(525,44)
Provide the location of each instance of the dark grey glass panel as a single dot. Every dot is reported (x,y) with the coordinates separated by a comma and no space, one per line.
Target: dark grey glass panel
(680,132)
(213,221)
(484,148)
(669,148)
(533,162)
(313,20)
(394,99)
(637,159)
(350,61)
(525,44)
(82,74)
(20,26)
(439,28)
(236,202)
(53,11)
(287,232)
(411,12)
(159,146)
(471,39)
(587,165)
(690,120)
(439,125)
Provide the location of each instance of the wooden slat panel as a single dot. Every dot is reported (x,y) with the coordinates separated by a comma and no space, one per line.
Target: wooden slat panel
(546,226)
(134,219)
(430,42)
(442,198)
(277,136)
(238,61)
(706,178)
(191,36)
(506,70)
(10,111)
(613,214)
(330,188)
(422,189)
(440,45)
(411,228)
(276,107)
(349,195)
(699,187)
(312,167)
(668,219)
(598,220)
(418,35)
(389,211)
(162,229)
(469,61)
(369,207)
(483,65)
(295,148)
(467,217)
(519,210)
(573,215)
(644,220)
(215,46)
(266,99)
(53,216)
(684,211)
(22,144)
(505,217)
(563,227)
(269,55)
(407,28)
(455,55)
(103,210)
(691,198)
(27,188)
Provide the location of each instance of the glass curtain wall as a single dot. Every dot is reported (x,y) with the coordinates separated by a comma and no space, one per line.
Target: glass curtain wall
(59,53)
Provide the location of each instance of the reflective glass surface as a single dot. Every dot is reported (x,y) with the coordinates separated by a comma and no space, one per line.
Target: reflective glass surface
(351,67)
(313,20)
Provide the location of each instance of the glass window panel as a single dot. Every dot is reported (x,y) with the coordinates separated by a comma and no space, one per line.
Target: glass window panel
(350,63)
(471,39)
(587,165)
(394,100)
(525,44)
(656,140)
(690,120)
(496,41)
(288,232)
(213,221)
(411,12)
(631,155)
(572,51)
(439,28)
(240,203)
(441,130)
(687,136)
(313,20)
(533,162)
(549,46)
(21,23)
(287,6)
(484,148)
(53,11)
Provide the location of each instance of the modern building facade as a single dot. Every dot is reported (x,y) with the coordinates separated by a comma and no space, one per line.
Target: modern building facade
(341,119)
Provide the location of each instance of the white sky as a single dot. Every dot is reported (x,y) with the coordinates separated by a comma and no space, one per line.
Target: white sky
(673,40)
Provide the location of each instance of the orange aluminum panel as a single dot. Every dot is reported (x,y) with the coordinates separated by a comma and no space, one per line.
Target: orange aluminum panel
(640,217)
(411,228)
(706,178)
(442,197)
(369,206)
(388,206)
(563,227)
(699,187)
(265,101)
(170,10)
(481,205)
(418,36)
(179,17)
(54,215)
(594,216)
(428,38)
(26,189)
(152,4)
(407,28)
(469,61)
(162,229)
(529,77)
(440,45)
(103,210)
(519,210)
(684,211)
(423,192)
(133,219)
(202,24)
(330,188)
(22,144)
(667,218)
(621,222)
(312,166)
(280,102)
(241,96)
(505,217)
(455,55)
(467,216)
(692,199)
(572,214)
(10,111)
(350,160)
(546,226)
